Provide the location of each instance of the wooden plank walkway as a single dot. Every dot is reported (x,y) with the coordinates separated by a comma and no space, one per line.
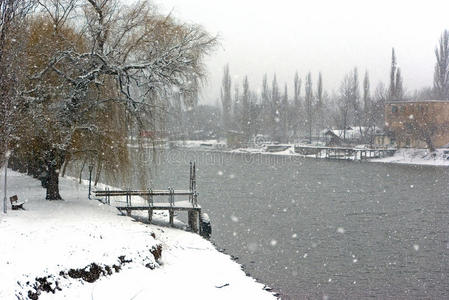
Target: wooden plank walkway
(146,201)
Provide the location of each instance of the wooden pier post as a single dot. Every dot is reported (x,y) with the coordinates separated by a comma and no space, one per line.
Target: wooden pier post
(150,215)
(150,205)
(128,203)
(198,213)
(190,217)
(171,217)
(194,220)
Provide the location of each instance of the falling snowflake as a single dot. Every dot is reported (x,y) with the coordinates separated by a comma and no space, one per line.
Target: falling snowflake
(340,230)
(252,247)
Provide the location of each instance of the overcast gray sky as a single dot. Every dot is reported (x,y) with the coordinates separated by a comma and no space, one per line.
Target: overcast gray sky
(260,36)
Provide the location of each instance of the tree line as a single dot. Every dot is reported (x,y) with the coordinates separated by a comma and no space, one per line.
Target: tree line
(305,113)
(309,109)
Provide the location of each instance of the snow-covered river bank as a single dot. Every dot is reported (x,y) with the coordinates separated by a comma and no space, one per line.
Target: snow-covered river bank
(403,156)
(440,157)
(49,243)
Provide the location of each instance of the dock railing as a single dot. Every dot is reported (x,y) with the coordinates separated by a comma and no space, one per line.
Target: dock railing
(150,193)
(191,206)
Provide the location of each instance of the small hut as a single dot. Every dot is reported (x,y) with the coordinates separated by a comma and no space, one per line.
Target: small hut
(332,139)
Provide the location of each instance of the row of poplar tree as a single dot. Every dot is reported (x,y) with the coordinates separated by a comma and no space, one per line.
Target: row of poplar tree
(304,115)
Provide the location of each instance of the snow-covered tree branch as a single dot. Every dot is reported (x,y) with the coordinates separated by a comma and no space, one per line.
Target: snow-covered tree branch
(112,61)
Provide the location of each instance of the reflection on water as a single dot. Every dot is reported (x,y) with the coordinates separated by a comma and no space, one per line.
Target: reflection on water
(317,228)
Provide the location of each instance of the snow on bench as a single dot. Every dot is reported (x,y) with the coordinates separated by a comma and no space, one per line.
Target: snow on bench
(15,204)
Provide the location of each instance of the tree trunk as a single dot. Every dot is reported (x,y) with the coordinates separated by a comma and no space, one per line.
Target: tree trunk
(98,173)
(64,166)
(54,163)
(81,171)
(53,183)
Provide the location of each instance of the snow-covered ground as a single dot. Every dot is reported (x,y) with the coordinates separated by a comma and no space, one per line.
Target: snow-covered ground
(200,144)
(418,157)
(54,241)
(288,151)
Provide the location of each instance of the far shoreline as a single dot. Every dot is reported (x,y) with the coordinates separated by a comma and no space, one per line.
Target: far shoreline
(403,156)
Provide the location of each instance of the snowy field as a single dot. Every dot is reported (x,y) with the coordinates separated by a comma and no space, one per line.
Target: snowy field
(82,249)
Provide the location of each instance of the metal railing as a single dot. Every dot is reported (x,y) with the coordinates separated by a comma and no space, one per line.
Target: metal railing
(150,193)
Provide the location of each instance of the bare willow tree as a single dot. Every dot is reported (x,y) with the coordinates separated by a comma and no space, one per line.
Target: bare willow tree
(118,65)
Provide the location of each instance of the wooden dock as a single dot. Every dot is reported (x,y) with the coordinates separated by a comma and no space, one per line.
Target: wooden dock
(144,201)
(343,152)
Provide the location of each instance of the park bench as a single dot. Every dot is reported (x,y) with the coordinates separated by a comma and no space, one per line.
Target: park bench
(15,204)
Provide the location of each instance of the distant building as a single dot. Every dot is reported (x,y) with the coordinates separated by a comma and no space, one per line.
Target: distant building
(352,135)
(331,138)
(418,124)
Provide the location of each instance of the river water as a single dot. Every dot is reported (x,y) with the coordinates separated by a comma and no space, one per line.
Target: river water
(323,229)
